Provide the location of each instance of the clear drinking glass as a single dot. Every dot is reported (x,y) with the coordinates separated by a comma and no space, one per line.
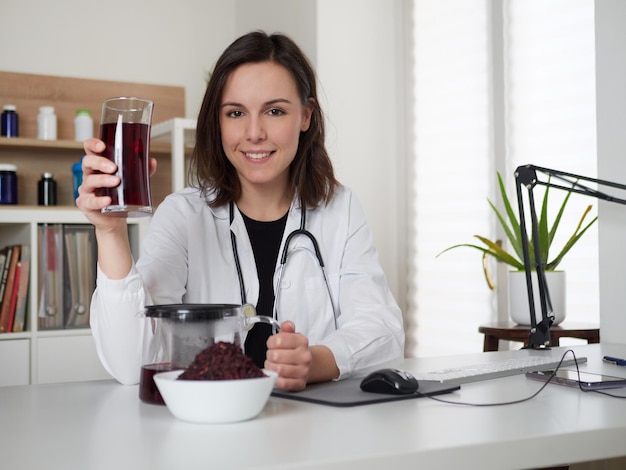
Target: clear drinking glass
(125,129)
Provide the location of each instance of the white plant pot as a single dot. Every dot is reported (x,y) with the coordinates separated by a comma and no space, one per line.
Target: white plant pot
(518,297)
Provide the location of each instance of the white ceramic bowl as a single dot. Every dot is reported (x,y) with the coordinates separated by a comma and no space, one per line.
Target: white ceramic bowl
(214,401)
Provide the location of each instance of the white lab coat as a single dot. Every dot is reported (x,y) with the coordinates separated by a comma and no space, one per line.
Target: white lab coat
(187,257)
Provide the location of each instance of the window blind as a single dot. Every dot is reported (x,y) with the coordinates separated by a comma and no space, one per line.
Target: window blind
(452,176)
(549,75)
(548,119)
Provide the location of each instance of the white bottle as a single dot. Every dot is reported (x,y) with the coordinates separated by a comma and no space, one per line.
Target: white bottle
(47,123)
(83,125)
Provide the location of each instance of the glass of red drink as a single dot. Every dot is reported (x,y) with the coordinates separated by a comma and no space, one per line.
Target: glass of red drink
(125,129)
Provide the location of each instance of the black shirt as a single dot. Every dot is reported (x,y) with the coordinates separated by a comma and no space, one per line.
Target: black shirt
(265,238)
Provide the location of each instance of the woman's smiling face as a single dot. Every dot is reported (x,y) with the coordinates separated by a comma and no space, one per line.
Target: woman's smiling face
(261,118)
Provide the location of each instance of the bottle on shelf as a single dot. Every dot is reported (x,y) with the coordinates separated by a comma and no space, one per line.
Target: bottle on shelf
(47,123)
(8,183)
(77,176)
(47,190)
(83,125)
(10,121)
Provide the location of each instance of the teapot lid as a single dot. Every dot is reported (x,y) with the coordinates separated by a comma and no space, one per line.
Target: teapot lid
(185,312)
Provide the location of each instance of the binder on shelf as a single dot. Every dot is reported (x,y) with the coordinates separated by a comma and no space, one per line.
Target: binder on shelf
(80,273)
(67,275)
(50,256)
(18,269)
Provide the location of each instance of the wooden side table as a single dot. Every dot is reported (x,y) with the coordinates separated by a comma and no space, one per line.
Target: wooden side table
(509,331)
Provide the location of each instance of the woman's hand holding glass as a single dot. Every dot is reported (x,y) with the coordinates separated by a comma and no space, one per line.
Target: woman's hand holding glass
(99,172)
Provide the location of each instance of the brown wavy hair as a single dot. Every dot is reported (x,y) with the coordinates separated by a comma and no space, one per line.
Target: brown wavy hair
(311,174)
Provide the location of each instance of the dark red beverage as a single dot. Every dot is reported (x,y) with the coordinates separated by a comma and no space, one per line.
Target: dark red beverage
(128,146)
(148,391)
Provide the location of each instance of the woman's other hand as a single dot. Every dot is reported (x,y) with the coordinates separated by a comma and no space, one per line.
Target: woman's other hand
(289,354)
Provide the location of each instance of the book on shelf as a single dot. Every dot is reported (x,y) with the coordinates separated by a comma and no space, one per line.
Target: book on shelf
(19,320)
(7,251)
(6,311)
(3,258)
(15,288)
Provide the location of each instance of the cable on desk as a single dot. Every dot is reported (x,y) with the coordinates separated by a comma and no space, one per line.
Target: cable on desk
(602,392)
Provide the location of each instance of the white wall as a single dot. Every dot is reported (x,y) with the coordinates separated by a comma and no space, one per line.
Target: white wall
(357,45)
(360,67)
(147,41)
(296,19)
(611,137)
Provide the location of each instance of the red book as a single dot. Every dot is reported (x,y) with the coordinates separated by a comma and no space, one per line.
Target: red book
(22,290)
(5,313)
(7,251)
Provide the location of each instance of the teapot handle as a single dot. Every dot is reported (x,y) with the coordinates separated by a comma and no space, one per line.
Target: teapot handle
(250,318)
(250,321)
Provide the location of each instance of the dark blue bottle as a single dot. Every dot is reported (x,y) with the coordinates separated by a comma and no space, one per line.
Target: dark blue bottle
(10,121)
(8,184)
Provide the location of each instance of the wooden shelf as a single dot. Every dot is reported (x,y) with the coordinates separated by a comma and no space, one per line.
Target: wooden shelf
(33,156)
(24,143)
(27,144)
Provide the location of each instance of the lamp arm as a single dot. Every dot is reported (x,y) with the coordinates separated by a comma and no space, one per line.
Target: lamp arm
(539,336)
(574,183)
(526,176)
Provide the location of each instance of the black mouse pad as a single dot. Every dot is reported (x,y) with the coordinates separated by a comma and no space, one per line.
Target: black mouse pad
(348,393)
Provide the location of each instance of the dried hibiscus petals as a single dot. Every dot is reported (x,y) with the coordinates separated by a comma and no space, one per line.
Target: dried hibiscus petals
(221,361)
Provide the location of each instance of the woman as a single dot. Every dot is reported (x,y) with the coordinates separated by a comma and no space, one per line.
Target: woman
(260,165)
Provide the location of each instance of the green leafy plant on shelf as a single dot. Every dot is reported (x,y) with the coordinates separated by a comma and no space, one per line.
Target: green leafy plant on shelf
(511,226)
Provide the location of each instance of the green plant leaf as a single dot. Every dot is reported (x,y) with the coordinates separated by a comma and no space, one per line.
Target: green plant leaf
(510,225)
(510,233)
(555,226)
(544,238)
(499,253)
(516,239)
(551,266)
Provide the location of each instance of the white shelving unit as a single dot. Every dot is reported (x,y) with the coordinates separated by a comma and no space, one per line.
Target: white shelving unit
(63,355)
(180,132)
(46,355)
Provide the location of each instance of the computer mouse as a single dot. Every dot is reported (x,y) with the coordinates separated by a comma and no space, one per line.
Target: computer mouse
(390,381)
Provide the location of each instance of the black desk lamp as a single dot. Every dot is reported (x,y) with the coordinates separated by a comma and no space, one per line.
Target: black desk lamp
(539,337)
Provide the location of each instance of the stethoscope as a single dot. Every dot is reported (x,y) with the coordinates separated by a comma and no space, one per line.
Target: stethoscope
(283,261)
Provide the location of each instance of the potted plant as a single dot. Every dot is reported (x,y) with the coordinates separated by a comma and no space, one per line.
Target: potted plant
(515,257)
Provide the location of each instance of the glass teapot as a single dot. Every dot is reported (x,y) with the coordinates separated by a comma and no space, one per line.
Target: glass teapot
(175,333)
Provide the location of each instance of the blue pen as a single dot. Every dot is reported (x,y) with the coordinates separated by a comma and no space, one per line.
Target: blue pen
(614,360)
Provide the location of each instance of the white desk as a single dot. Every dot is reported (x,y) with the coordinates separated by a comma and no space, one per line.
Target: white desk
(103,425)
